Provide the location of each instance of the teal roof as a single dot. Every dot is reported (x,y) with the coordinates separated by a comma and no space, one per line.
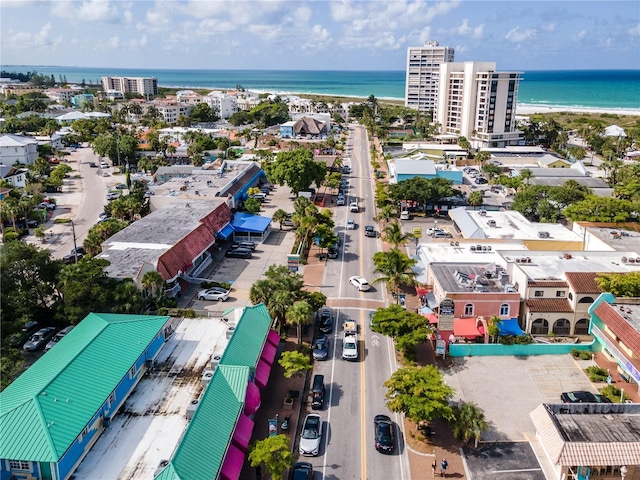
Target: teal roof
(245,346)
(203,448)
(44,410)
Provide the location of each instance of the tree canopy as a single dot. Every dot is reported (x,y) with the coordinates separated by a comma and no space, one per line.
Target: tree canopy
(274,453)
(620,284)
(424,191)
(297,169)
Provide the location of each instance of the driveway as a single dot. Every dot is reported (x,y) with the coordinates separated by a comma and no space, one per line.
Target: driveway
(508,388)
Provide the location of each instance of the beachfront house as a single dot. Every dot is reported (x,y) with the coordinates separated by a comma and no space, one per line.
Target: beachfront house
(52,414)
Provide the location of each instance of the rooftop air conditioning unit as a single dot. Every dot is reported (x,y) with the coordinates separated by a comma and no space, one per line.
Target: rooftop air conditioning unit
(191,409)
(544,235)
(230,331)
(161,466)
(207,375)
(215,361)
(483,213)
(509,289)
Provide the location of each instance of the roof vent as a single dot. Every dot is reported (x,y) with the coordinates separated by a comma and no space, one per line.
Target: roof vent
(230,331)
(215,361)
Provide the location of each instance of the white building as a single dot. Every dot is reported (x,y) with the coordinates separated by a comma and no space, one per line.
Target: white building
(16,148)
(226,105)
(423,71)
(60,95)
(478,103)
(172,111)
(188,97)
(143,86)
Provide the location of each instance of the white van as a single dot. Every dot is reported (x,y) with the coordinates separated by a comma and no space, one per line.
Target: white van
(404,215)
(104,165)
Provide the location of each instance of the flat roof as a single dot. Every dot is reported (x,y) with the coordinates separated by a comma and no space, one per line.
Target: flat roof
(469,277)
(619,239)
(445,252)
(553,264)
(599,427)
(153,419)
(415,167)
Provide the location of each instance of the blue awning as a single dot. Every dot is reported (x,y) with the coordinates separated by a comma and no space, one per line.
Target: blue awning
(247,223)
(510,327)
(226,232)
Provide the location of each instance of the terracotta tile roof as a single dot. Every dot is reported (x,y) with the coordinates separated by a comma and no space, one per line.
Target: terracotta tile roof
(547,283)
(619,326)
(583,282)
(181,255)
(549,305)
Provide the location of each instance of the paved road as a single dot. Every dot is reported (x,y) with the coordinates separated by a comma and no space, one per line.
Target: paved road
(355,389)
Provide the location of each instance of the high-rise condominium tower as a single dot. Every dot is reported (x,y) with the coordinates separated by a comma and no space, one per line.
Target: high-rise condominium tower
(423,70)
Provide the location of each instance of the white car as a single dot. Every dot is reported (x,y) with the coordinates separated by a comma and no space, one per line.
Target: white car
(405,215)
(354,207)
(113,195)
(215,293)
(360,283)
(431,231)
(341,200)
(311,435)
(351,225)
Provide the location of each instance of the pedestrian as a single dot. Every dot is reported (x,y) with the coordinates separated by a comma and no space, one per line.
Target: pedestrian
(434,466)
(443,468)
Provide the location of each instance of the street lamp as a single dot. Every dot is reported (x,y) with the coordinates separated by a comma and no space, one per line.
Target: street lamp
(75,247)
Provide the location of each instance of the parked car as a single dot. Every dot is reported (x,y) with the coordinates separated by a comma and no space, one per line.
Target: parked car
(121,186)
(93,165)
(302,471)
(104,165)
(113,195)
(346,169)
(383,434)
(431,231)
(259,196)
(17,340)
(103,216)
(215,293)
(71,258)
(47,205)
(369,231)
(333,252)
(39,339)
(321,348)
(405,215)
(57,337)
(360,283)
(239,253)
(583,397)
(78,250)
(351,225)
(441,234)
(481,181)
(325,324)
(249,245)
(340,201)
(354,207)
(288,222)
(311,435)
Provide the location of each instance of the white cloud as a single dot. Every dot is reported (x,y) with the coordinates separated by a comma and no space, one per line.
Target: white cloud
(550,27)
(515,35)
(465,30)
(90,11)
(578,37)
(346,11)
(39,40)
(303,14)
(634,31)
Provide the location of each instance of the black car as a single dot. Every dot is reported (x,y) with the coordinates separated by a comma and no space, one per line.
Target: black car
(333,252)
(18,339)
(583,397)
(325,323)
(302,471)
(239,253)
(383,434)
(93,165)
(78,250)
(247,245)
(369,231)
(39,339)
(71,258)
(481,181)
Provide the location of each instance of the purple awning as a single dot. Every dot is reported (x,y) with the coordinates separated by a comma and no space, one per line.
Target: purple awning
(268,353)
(232,465)
(252,399)
(273,338)
(242,434)
(262,373)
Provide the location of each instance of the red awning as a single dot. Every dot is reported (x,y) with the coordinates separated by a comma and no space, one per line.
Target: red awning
(273,338)
(242,434)
(432,317)
(233,462)
(262,373)
(422,291)
(465,327)
(252,399)
(268,353)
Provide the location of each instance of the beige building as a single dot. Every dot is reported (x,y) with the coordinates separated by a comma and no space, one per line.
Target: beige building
(423,71)
(148,87)
(479,103)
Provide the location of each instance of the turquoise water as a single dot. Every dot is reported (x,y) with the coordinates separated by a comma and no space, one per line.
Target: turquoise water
(615,89)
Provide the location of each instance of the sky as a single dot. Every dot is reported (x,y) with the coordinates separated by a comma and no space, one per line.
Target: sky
(317,35)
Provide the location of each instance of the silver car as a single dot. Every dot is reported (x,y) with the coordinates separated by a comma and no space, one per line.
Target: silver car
(215,293)
(311,435)
(57,337)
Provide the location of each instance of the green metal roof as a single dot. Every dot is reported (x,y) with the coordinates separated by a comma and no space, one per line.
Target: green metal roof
(44,410)
(245,346)
(202,450)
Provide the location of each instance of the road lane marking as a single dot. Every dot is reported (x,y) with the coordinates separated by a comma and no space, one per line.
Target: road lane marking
(363,405)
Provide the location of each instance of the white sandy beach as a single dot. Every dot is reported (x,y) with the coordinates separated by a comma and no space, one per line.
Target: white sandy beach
(532,109)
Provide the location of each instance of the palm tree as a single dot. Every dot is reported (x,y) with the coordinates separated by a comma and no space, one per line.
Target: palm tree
(280,216)
(153,282)
(482,157)
(525,175)
(469,422)
(393,234)
(475,199)
(386,213)
(299,314)
(395,267)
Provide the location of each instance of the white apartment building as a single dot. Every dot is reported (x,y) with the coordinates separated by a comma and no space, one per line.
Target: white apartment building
(17,149)
(60,95)
(147,87)
(172,111)
(423,71)
(226,105)
(478,103)
(188,97)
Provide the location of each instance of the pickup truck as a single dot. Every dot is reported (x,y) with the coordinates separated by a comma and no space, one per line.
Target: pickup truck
(350,341)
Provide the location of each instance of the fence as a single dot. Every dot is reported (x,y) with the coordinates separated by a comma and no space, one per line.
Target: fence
(496,349)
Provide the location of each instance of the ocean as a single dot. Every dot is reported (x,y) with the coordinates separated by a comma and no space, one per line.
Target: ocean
(588,89)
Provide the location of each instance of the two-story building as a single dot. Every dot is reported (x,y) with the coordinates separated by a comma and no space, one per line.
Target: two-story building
(17,149)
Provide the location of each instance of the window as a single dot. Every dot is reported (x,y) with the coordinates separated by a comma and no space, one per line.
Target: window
(560,293)
(468,310)
(540,327)
(132,372)
(82,434)
(586,300)
(571,296)
(19,465)
(538,293)
(582,327)
(561,326)
(111,400)
(504,309)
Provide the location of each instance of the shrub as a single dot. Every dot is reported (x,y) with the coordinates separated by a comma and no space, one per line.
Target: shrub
(525,339)
(613,394)
(190,313)
(62,220)
(597,374)
(581,354)
(163,311)
(225,285)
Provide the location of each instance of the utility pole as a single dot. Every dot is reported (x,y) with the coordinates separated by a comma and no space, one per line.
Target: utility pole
(75,247)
